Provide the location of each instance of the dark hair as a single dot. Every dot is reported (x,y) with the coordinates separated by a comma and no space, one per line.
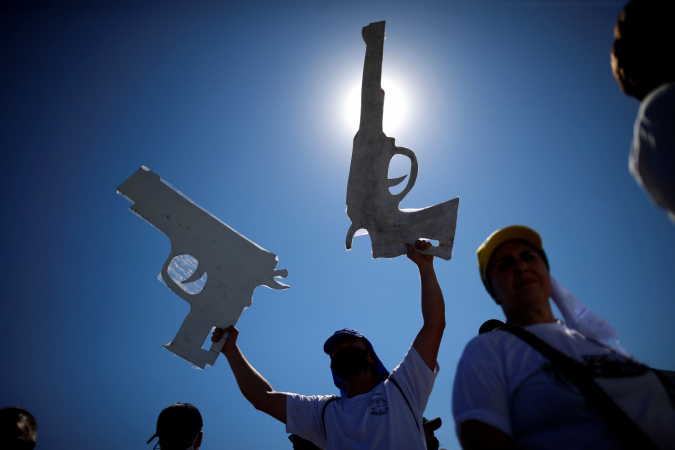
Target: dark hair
(644,45)
(10,415)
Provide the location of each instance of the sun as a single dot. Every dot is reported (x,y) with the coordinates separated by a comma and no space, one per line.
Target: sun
(395,106)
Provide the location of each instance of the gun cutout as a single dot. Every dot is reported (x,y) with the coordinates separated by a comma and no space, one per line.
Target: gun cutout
(370,205)
(234,266)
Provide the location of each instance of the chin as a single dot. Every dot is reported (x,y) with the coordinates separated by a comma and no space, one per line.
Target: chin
(532,295)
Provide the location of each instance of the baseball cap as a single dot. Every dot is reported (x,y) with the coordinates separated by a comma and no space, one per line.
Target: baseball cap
(487,248)
(177,423)
(434,424)
(346,333)
(341,335)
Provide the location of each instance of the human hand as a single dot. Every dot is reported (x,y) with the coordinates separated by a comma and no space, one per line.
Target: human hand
(230,342)
(418,258)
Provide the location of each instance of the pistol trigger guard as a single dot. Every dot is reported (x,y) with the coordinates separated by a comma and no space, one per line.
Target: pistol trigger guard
(165,269)
(169,281)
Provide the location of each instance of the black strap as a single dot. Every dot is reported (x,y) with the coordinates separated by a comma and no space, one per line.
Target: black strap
(578,374)
(667,378)
(323,415)
(406,401)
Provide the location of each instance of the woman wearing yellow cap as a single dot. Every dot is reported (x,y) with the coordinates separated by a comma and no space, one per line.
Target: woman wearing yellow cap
(539,383)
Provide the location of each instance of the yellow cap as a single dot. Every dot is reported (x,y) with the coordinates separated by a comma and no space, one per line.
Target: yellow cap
(497,238)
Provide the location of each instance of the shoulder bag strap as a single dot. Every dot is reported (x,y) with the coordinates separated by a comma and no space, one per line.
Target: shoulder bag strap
(406,401)
(667,381)
(577,373)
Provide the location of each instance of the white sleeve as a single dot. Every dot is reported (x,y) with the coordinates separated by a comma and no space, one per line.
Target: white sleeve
(416,379)
(652,160)
(304,417)
(480,391)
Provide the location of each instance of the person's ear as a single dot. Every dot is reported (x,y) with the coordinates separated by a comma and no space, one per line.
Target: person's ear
(370,358)
(198,441)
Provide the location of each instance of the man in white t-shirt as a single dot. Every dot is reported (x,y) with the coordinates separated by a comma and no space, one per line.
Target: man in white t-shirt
(376,409)
(644,66)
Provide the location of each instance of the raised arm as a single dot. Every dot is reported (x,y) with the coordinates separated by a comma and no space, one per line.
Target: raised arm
(428,340)
(255,388)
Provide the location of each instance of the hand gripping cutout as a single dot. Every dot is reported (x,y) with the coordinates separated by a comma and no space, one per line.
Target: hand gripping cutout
(370,205)
(234,265)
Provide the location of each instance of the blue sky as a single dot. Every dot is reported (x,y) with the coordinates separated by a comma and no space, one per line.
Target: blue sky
(510,105)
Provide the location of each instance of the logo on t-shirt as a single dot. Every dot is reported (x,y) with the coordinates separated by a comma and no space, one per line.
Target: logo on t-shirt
(604,366)
(613,366)
(378,405)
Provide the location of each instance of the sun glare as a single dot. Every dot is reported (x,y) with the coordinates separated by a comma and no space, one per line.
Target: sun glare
(395,106)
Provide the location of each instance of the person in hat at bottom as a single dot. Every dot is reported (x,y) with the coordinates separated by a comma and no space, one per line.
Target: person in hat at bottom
(377,409)
(179,427)
(507,394)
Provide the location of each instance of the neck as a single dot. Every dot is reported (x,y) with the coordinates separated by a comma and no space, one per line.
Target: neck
(530,317)
(360,384)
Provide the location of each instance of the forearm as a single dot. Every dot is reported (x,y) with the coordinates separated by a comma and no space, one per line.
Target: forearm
(433,304)
(257,390)
(251,383)
(428,340)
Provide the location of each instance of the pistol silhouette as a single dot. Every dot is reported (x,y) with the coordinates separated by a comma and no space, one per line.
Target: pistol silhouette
(234,265)
(370,205)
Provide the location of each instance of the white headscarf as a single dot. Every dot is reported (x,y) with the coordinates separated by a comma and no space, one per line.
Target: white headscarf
(579,318)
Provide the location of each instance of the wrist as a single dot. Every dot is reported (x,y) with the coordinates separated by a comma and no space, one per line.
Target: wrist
(426,268)
(230,351)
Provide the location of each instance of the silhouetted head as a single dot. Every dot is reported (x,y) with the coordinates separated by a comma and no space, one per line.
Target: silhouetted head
(351,353)
(179,427)
(18,429)
(519,278)
(515,271)
(488,248)
(644,45)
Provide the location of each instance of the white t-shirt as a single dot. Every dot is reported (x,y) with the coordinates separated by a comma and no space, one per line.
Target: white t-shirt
(379,419)
(503,382)
(652,159)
